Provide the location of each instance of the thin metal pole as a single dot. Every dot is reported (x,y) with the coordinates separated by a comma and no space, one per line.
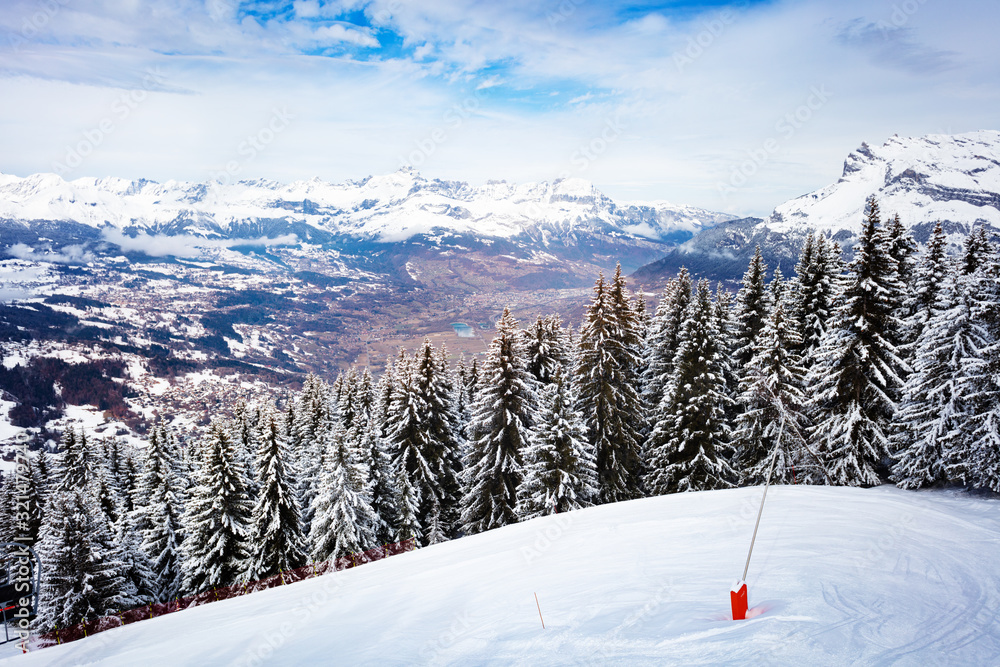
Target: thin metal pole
(770,470)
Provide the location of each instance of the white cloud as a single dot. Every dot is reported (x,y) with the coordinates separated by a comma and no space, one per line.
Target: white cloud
(334,34)
(697,93)
(71,254)
(161,245)
(306,9)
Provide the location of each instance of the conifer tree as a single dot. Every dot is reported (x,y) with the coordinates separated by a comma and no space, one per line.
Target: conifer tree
(76,465)
(364,396)
(858,370)
(276,524)
(752,307)
(983,465)
(314,416)
(245,418)
(423,441)
(82,577)
(976,252)
(407,527)
(817,281)
(903,249)
(344,522)
(217,517)
(545,348)
(434,384)
(662,338)
(463,408)
(935,420)
(137,570)
(606,373)
(45,472)
(771,395)
(560,470)
(931,273)
(499,433)
(726,325)
(383,397)
(159,512)
(381,481)
(688,445)
(29,499)
(9,526)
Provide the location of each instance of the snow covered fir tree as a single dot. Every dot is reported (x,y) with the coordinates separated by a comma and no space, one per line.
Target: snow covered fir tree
(884,368)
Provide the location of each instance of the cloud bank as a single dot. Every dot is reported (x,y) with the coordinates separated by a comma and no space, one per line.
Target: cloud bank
(700,87)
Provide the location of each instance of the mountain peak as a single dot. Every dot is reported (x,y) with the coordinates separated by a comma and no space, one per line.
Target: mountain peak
(951,178)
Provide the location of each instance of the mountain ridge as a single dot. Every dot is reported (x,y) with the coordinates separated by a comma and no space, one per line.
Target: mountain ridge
(388,208)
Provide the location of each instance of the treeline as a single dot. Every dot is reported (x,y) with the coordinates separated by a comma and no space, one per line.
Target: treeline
(884,369)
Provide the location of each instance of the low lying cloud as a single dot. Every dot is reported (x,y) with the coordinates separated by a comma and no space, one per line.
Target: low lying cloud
(160,245)
(71,254)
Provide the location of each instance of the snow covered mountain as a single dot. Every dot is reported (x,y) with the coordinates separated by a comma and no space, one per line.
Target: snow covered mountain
(387,208)
(954,179)
(951,178)
(838,576)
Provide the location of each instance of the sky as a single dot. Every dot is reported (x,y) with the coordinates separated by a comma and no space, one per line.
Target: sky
(732,107)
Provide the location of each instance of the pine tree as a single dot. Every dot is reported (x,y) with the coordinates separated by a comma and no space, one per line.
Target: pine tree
(82,576)
(440,422)
(217,517)
(560,469)
(545,348)
(725,343)
(32,498)
(276,523)
(344,520)
(9,526)
(408,440)
(934,422)
(159,511)
(983,465)
(902,249)
(314,415)
(244,426)
(771,395)
(931,272)
(858,370)
(606,379)
(499,433)
(977,250)
(752,307)
(688,445)
(137,569)
(817,283)
(76,465)
(662,338)
(381,481)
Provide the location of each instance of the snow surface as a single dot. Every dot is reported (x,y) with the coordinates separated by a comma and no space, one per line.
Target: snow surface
(937,177)
(392,207)
(839,576)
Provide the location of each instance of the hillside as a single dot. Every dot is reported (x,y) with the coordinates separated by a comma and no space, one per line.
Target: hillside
(839,576)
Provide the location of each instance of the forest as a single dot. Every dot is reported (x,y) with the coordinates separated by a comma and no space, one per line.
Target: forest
(881,369)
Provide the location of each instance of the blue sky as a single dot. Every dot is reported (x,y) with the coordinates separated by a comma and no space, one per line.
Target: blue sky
(728,106)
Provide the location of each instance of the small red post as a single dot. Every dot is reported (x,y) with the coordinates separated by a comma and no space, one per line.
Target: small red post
(738,596)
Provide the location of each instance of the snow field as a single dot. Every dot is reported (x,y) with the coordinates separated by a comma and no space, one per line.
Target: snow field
(839,576)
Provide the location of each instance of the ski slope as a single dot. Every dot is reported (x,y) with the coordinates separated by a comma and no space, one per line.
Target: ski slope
(839,576)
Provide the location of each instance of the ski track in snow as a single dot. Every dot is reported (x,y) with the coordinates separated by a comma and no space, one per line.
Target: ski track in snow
(839,575)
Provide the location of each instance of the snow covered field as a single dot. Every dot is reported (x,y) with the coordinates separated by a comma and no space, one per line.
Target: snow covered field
(839,576)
